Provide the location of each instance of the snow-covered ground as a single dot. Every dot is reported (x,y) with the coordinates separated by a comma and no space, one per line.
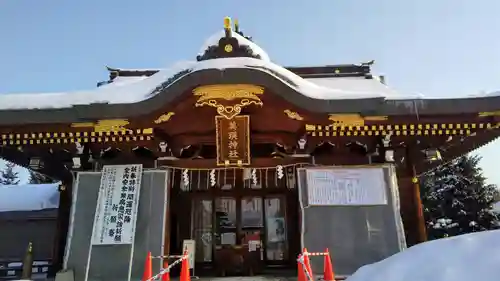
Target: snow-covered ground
(468,257)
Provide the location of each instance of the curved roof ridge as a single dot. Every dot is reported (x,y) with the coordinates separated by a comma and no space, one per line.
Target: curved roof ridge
(152,93)
(142,89)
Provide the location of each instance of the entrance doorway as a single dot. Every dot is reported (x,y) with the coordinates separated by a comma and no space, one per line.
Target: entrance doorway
(249,231)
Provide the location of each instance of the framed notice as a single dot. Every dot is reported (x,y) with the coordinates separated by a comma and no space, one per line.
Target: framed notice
(118,200)
(346,186)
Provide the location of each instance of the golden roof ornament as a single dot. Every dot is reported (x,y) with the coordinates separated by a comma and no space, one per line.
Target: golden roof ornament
(227,23)
(236,26)
(227,26)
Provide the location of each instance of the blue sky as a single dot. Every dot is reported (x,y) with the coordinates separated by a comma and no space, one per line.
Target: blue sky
(446,48)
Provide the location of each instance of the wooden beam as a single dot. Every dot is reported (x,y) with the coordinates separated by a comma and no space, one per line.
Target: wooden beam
(456,148)
(211,163)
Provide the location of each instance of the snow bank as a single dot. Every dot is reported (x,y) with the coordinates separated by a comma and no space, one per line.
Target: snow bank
(30,197)
(463,258)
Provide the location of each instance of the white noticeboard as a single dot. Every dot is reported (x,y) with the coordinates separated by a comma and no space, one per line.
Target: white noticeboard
(118,201)
(190,246)
(346,186)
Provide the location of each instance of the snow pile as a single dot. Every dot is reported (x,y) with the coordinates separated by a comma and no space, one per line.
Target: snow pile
(31,197)
(214,41)
(462,258)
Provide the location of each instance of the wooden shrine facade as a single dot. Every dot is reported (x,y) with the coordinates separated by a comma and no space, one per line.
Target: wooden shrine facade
(241,119)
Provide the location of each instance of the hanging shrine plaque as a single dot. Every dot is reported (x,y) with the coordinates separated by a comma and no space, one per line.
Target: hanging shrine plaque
(233,140)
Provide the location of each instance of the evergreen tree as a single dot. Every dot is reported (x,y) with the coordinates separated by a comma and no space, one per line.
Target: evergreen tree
(457,200)
(38,178)
(8,176)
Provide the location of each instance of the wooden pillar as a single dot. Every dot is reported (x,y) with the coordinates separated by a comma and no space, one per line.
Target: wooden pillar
(170,227)
(418,211)
(63,220)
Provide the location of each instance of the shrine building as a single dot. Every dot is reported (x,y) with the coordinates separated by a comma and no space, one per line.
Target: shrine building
(221,149)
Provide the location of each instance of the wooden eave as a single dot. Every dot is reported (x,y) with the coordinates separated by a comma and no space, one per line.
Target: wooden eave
(454,135)
(180,124)
(174,91)
(115,72)
(458,147)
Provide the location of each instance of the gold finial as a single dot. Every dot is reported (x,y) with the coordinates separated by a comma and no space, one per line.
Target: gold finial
(236,26)
(227,23)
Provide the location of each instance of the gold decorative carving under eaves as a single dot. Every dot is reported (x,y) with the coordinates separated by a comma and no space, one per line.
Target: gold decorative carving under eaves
(112,125)
(164,118)
(488,114)
(293,115)
(353,119)
(419,129)
(228,99)
(103,133)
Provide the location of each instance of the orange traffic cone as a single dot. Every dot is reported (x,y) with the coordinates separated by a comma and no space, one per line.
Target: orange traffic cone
(307,264)
(185,268)
(328,274)
(301,275)
(148,268)
(166,275)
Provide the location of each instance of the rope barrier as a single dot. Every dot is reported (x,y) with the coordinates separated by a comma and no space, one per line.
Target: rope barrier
(316,254)
(165,270)
(167,257)
(301,260)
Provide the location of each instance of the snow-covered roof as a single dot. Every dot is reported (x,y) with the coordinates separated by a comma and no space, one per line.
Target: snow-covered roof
(128,91)
(214,40)
(355,84)
(129,69)
(467,257)
(131,91)
(31,197)
(124,80)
